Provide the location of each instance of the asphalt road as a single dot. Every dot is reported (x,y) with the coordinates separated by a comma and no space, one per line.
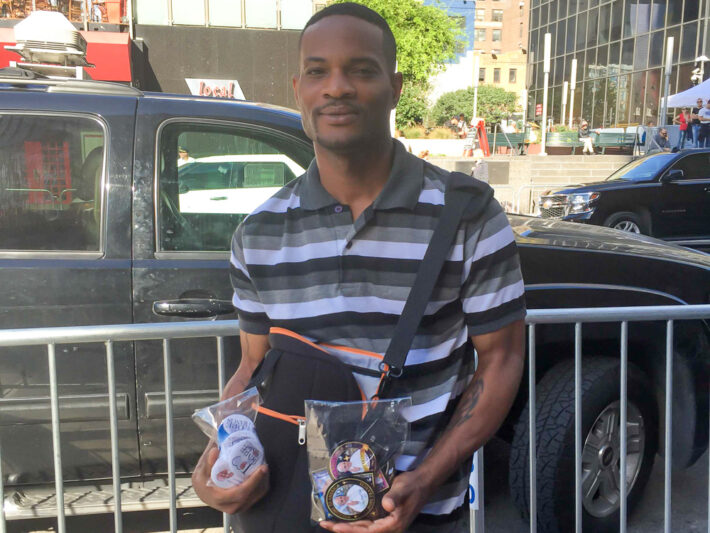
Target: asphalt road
(689,504)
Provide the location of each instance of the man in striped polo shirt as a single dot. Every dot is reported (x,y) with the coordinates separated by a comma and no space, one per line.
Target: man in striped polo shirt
(333,254)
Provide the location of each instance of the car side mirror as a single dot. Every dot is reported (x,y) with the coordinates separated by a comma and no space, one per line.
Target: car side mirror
(672,175)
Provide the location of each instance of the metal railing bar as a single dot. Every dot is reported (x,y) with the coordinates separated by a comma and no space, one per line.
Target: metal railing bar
(222,380)
(618,314)
(56,440)
(532,427)
(226,328)
(169,433)
(624,394)
(3,525)
(478,524)
(578,427)
(669,428)
(118,332)
(113,419)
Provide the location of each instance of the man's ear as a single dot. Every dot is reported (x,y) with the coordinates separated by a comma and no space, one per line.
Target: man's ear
(396,88)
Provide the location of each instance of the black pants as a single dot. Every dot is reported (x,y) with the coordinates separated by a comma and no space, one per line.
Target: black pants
(704,136)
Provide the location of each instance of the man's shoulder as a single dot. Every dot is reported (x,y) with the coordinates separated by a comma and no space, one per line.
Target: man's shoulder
(280,203)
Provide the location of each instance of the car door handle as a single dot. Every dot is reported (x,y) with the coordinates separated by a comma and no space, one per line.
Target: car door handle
(217,198)
(193,307)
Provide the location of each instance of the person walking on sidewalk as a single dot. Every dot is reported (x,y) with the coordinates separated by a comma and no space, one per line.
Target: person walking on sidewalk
(682,120)
(704,117)
(695,122)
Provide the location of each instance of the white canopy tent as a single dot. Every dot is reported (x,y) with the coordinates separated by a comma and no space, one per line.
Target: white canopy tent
(689,97)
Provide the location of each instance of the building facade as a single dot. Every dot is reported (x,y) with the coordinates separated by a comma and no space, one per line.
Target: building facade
(620,47)
(496,31)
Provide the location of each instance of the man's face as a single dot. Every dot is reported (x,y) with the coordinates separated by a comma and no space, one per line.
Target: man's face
(708,104)
(663,133)
(182,154)
(344,87)
(700,102)
(341,500)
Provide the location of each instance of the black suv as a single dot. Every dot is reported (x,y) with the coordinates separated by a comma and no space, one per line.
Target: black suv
(666,195)
(101,220)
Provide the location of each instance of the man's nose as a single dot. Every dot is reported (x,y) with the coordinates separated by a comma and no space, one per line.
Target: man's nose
(338,85)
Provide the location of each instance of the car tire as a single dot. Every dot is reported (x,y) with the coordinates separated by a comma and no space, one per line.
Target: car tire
(555,441)
(627,221)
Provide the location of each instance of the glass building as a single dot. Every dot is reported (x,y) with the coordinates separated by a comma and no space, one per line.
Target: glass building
(620,47)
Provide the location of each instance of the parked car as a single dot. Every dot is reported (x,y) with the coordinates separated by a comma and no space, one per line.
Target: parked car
(96,228)
(665,195)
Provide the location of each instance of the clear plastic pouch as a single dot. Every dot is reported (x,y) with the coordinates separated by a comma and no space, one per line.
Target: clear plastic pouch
(351,452)
(230,423)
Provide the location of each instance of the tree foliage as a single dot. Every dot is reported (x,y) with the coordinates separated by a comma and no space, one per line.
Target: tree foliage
(494,104)
(426,36)
(413,105)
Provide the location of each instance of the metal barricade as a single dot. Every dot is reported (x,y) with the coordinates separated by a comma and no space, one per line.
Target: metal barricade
(167,332)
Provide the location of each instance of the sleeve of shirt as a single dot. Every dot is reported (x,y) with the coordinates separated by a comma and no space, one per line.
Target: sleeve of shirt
(251,312)
(493,293)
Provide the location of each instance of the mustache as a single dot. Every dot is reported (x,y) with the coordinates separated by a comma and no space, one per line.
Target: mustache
(340,105)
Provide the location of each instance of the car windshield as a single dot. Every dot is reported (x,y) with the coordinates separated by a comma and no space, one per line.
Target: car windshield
(642,169)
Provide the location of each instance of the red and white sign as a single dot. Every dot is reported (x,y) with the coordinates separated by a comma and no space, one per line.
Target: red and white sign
(215,88)
(538,110)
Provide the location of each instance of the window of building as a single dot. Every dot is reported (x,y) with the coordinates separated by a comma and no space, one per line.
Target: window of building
(513,75)
(479,34)
(295,13)
(51,169)
(497,15)
(482,74)
(480,15)
(496,75)
(222,13)
(189,12)
(497,36)
(151,12)
(495,51)
(261,13)
(227,173)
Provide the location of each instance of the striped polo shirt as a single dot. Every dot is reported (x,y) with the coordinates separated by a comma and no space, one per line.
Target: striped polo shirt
(300,262)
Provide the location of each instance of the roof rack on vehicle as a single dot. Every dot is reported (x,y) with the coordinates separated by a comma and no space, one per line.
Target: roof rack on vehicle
(18,78)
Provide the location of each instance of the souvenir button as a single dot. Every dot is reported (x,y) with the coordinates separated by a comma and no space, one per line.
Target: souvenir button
(351,458)
(338,209)
(350,499)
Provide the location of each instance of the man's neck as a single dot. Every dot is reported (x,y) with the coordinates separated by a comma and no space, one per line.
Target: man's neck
(355,179)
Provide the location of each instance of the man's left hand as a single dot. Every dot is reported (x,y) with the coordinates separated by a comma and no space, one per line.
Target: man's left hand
(408,494)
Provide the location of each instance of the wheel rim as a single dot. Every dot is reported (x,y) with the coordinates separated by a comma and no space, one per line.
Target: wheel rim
(601,459)
(627,225)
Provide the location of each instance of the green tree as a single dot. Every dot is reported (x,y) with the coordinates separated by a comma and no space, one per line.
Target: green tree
(494,104)
(427,38)
(413,105)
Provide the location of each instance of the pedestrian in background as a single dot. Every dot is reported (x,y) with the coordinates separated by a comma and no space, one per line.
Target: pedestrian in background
(695,122)
(585,136)
(660,142)
(704,117)
(682,120)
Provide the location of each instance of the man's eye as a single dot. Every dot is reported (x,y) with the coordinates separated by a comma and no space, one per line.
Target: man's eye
(314,71)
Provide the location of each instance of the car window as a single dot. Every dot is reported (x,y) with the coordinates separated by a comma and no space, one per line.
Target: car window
(51,169)
(212,176)
(642,169)
(694,166)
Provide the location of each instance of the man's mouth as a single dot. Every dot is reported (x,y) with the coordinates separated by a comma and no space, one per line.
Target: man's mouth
(339,114)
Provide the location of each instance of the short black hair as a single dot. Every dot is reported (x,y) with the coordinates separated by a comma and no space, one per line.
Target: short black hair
(351,9)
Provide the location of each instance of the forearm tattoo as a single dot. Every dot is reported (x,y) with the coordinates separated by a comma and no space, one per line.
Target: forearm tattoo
(468,403)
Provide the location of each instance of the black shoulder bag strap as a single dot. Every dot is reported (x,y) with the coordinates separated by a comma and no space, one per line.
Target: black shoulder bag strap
(465,197)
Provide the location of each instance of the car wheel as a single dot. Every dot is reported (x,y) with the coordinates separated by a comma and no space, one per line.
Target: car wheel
(626,221)
(601,446)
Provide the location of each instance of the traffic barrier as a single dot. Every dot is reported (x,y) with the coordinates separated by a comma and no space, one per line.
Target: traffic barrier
(167,332)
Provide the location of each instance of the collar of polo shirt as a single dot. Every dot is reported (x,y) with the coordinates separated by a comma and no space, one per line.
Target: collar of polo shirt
(402,189)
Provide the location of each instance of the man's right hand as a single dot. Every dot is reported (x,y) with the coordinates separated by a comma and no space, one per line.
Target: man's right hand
(232,500)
